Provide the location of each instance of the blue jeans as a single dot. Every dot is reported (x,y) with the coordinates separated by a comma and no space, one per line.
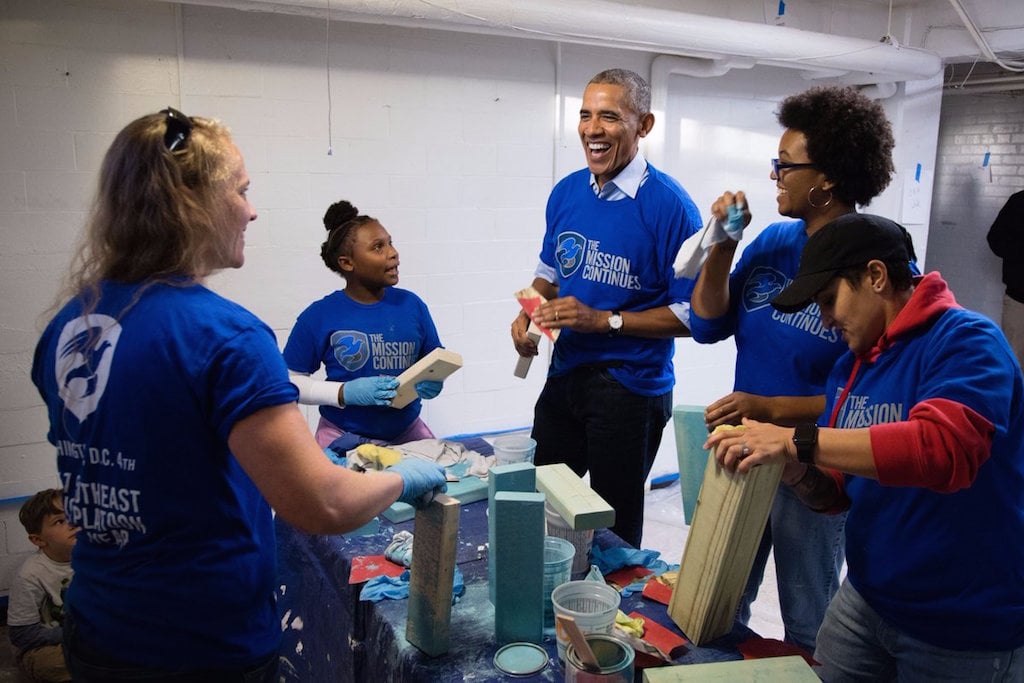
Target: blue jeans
(856,644)
(589,421)
(809,554)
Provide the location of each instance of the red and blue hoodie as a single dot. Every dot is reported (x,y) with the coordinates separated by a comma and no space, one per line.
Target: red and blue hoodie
(936,544)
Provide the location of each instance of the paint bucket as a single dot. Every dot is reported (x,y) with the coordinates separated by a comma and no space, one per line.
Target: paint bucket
(513,448)
(581,540)
(614,657)
(558,554)
(592,604)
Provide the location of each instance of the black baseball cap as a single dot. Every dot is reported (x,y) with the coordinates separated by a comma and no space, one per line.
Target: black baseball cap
(849,241)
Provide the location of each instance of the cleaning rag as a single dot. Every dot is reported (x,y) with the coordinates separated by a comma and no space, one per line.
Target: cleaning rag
(397,587)
(695,249)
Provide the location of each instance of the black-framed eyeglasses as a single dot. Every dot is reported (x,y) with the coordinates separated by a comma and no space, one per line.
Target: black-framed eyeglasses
(778,166)
(179,127)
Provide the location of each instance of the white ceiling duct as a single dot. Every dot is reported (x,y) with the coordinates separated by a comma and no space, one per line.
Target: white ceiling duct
(622,25)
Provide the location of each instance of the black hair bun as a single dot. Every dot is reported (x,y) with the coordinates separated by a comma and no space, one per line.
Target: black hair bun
(339,213)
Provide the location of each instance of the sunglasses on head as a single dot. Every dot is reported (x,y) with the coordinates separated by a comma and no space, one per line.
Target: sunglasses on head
(179,127)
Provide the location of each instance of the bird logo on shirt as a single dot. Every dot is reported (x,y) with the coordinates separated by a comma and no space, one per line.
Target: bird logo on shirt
(761,287)
(351,349)
(569,253)
(85,351)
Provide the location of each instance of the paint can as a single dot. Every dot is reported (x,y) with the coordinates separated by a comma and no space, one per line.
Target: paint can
(614,657)
(582,540)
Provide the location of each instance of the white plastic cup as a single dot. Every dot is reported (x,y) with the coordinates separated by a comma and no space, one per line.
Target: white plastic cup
(582,540)
(514,448)
(558,555)
(592,604)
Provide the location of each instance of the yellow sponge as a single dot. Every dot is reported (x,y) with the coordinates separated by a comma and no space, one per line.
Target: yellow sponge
(720,428)
(379,455)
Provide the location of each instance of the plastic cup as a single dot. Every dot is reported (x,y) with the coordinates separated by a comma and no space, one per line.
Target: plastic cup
(514,448)
(614,659)
(582,540)
(558,554)
(591,603)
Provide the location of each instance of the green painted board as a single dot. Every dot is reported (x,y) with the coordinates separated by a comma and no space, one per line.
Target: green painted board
(468,490)
(791,669)
(578,504)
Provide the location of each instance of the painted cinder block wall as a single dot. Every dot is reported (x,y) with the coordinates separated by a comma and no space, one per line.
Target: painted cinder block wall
(980,164)
(452,140)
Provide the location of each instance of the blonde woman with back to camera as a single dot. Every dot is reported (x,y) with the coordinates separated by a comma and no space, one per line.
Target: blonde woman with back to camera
(176,426)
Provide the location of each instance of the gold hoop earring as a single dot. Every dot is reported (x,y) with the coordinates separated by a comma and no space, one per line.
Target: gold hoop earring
(810,197)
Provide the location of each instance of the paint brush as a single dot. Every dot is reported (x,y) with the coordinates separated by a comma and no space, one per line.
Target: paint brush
(579,642)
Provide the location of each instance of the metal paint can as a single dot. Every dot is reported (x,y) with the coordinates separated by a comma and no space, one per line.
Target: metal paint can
(614,656)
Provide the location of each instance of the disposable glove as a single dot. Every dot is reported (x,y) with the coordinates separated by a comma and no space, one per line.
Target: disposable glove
(370,391)
(734,221)
(420,480)
(428,388)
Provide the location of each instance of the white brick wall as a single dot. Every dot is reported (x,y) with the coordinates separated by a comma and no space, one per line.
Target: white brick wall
(968,194)
(450,139)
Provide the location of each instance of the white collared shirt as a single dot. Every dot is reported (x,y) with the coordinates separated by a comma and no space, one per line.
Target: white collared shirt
(626,184)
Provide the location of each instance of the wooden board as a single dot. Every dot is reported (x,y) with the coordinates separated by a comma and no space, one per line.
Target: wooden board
(792,669)
(432,574)
(578,504)
(436,366)
(728,522)
(524,362)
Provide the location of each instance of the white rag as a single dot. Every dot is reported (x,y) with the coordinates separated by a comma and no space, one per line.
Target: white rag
(695,249)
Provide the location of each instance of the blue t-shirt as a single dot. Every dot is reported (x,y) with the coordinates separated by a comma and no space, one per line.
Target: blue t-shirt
(619,255)
(351,340)
(174,565)
(777,354)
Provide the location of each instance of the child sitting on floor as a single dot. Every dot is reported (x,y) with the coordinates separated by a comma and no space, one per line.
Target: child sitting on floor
(35,610)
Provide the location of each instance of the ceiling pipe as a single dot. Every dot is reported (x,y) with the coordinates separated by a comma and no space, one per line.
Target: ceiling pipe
(623,25)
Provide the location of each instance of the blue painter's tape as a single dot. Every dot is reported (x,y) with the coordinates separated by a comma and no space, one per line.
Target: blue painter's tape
(917,174)
(782,7)
(984,163)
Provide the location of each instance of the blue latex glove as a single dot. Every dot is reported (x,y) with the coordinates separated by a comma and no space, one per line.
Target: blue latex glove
(420,480)
(428,388)
(734,222)
(370,391)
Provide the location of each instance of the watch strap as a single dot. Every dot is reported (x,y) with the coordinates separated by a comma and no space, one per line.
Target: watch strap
(805,437)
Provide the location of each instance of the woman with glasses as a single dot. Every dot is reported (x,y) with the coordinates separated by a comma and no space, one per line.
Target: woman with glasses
(834,154)
(176,426)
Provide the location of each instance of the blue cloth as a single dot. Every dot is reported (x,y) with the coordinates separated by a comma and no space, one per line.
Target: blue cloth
(351,340)
(397,587)
(613,559)
(176,552)
(619,255)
